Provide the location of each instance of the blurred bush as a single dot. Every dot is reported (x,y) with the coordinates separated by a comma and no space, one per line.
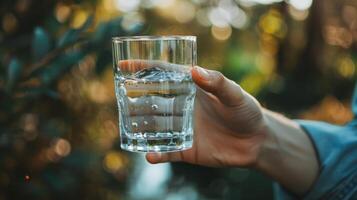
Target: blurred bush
(49,51)
(58,115)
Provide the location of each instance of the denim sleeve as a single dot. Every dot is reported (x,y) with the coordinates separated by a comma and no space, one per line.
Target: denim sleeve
(336,148)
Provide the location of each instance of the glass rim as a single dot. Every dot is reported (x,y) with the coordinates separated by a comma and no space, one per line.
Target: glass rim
(153,38)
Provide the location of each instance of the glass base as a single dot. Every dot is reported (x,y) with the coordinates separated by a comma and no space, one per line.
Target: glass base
(161,142)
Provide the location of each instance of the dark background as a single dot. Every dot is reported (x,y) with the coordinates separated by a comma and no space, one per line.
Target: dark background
(58,114)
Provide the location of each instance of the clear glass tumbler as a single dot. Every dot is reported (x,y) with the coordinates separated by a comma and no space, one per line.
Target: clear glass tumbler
(155,92)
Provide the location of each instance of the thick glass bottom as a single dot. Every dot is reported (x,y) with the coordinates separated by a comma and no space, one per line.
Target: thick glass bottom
(156,142)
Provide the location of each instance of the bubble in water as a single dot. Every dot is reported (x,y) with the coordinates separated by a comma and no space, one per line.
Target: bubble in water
(154,107)
(146,101)
(134,124)
(146,123)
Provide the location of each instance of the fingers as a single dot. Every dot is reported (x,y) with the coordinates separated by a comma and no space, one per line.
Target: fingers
(227,91)
(155,158)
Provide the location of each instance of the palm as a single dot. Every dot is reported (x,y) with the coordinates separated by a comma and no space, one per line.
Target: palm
(227,125)
(216,141)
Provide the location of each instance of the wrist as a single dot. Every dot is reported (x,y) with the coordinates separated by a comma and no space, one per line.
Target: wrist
(287,154)
(269,149)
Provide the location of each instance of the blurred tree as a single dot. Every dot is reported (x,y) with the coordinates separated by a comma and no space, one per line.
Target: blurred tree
(42,155)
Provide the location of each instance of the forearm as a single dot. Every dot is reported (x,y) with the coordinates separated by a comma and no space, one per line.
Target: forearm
(287,155)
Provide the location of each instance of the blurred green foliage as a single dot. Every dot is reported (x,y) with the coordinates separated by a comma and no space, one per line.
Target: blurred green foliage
(34,117)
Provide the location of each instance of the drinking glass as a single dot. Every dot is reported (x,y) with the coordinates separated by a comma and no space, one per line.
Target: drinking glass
(155,92)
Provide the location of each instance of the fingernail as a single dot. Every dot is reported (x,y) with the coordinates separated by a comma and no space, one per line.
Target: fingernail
(202,73)
(153,158)
(158,156)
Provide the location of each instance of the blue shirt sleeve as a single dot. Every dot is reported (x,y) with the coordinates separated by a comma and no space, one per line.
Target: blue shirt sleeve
(336,148)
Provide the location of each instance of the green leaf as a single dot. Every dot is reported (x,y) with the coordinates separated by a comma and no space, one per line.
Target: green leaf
(102,30)
(13,73)
(107,30)
(68,37)
(38,91)
(61,65)
(72,35)
(103,60)
(87,24)
(40,43)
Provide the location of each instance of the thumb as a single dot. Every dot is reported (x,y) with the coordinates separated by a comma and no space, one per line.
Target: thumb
(227,91)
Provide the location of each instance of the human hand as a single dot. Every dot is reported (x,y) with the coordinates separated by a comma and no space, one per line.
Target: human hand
(228,125)
(233,130)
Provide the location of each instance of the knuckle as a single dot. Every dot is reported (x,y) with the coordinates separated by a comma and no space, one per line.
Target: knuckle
(219,77)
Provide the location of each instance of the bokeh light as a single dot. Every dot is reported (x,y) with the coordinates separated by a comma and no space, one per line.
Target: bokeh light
(301,4)
(132,20)
(219,17)
(30,126)
(184,12)
(61,147)
(163,4)
(98,92)
(9,22)
(346,67)
(272,23)
(330,109)
(62,12)
(297,14)
(202,17)
(127,6)
(338,36)
(80,16)
(221,33)
(114,161)
(254,2)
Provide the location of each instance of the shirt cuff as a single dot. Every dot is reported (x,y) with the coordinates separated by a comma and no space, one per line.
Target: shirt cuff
(334,147)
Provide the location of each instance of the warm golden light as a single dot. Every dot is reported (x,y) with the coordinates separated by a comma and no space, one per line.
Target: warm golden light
(272,23)
(338,36)
(113,161)
(127,5)
(331,110)
(98,92)
(165,7)
(51,155)
(298,15)
(252,83)
(79,18)
(266,63)
(184,12)
(62,12)
(346,67)
(221,33)
(62,147)
(9,23)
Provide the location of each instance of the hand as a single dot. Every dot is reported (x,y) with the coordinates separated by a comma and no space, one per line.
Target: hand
(233,130)
(228,125)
